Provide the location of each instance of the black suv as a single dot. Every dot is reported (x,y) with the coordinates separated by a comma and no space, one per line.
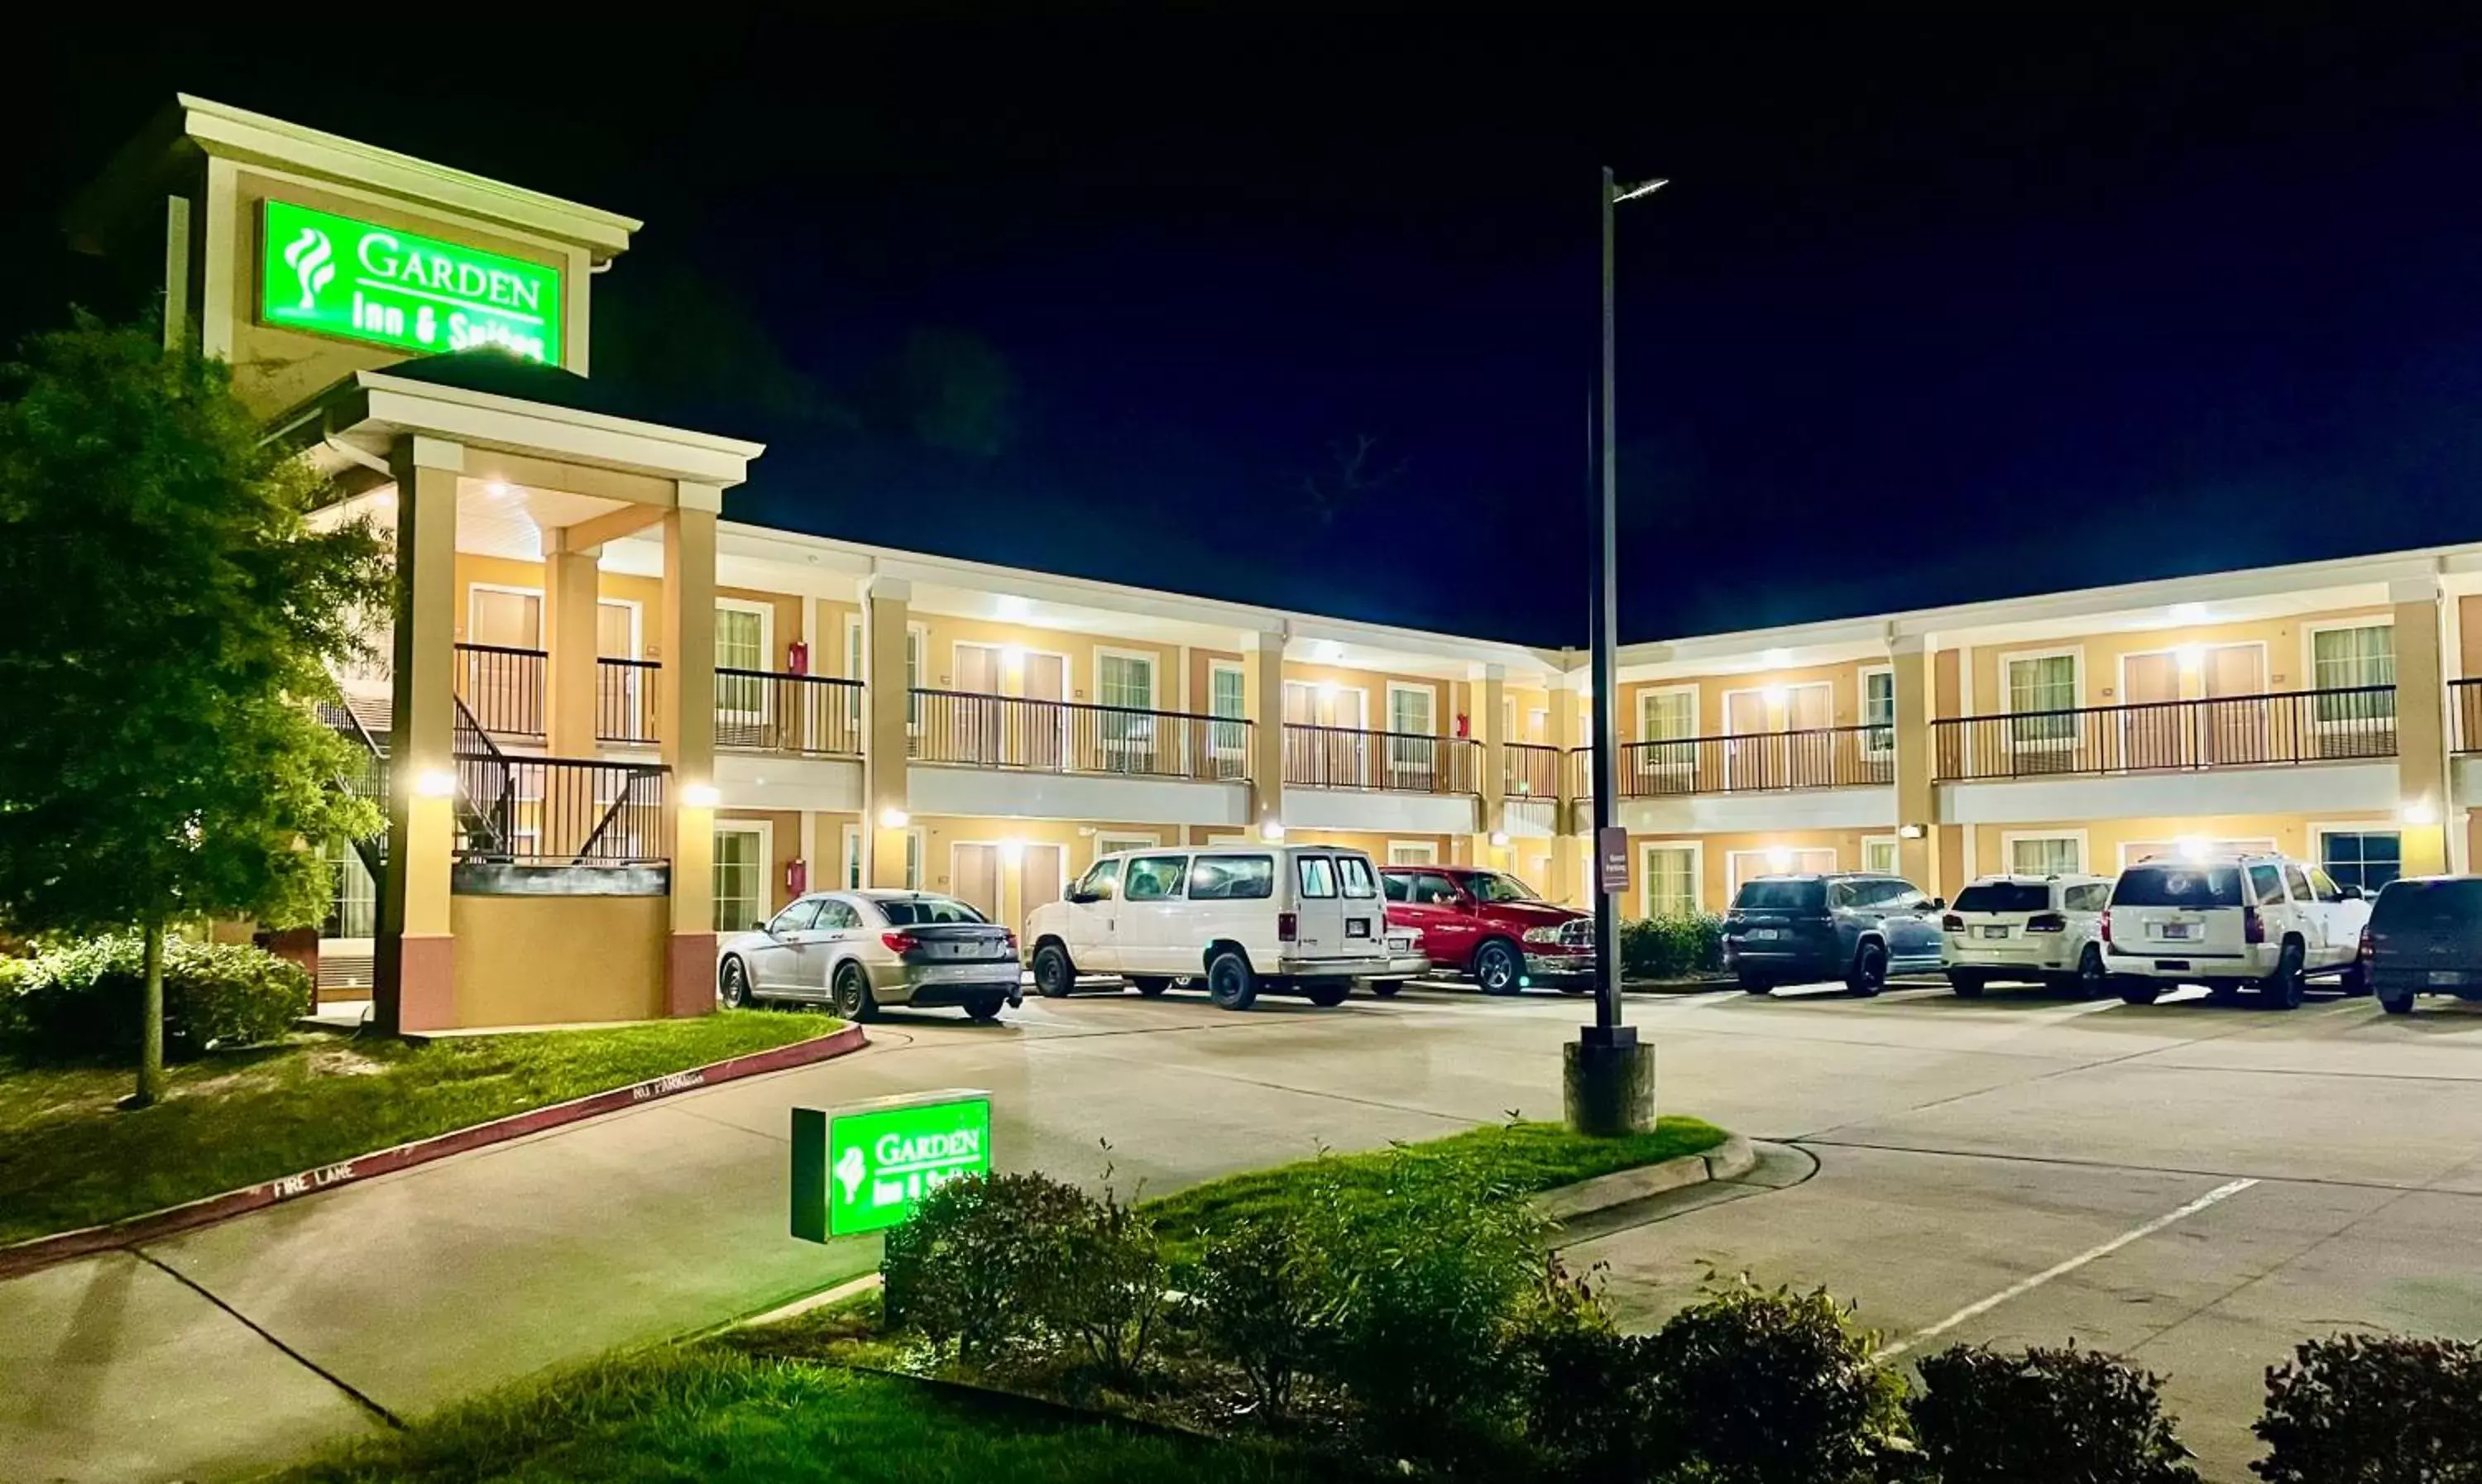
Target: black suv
(1856,926)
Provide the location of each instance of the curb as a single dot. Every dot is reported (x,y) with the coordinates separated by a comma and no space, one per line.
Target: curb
(42,1251)
(1731,1159)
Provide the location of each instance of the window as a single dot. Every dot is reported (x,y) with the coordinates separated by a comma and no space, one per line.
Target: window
(1127,681)
(1355,871)
(852,858)
(2367,859)
(2299,882)
(2045,855)
(1879,854)
(927,911)
(1411,749)
(1670,881)
(1155,878)
(1106,844)
(853,672)
(796,919)
(1879,710)
(354,911)
(1101,881)
(1432,889)
(913,677)
(1227,700)
(740,643)
(2003,896)
(913,860)
(2091,897)
(2043,683)
(1231,878)
(2344,658)
(836,916)
(1494,887)
(1412,853)
(2266,885)
(1317,875)
(740,877)
(2180,886)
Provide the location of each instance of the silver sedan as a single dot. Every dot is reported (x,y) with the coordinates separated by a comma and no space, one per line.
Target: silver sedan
(854,951)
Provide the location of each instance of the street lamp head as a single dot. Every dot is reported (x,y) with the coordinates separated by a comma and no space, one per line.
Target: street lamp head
(1630,193)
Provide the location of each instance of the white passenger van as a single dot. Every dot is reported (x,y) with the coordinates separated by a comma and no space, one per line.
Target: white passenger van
(1243,919)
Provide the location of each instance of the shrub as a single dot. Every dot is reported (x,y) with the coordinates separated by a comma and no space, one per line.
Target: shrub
(2045,1417)
(1585,1382)
(972,1270)
(1260,1299)
(1770,1387)
(1110,1290)
(2374,1409)
(1672,947)
(84,999)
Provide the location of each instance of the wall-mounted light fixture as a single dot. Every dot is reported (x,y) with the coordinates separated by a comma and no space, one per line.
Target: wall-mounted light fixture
(1908,831)
(1270,830)
(2418,812)
(700,796)
(435,784)
(893,818)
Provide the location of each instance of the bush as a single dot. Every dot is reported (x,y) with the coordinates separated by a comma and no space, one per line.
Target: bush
(86,999)
(2045,1417)
(2374,1409)
(1770,1387)
(1110,1292)
(1260,1299)
(1672,947)
(972,1270)
(1585,1382)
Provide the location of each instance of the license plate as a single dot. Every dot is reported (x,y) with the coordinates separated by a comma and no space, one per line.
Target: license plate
(1994,932)
(952,973)
(2172,930)
(2445,976)
(1763,935)
(1357,927)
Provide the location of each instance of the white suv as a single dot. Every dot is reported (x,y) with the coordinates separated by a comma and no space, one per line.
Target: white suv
(2032,929)
(2229,922)
(1307,918)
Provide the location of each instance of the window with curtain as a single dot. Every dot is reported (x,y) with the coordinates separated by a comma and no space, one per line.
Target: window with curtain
(740,878)
(1409,715)
(2042,682)
(1127,680)
(354,911)
(1227,700)
(2344,658)
(1879,854)
(740,643)
(1669,720)
(1670,881)
(2050,855)
(1879,709)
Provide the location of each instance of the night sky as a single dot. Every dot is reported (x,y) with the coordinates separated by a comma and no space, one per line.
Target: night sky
(1940,307)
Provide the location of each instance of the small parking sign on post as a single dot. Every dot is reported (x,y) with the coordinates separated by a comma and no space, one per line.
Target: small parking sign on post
(865,1166)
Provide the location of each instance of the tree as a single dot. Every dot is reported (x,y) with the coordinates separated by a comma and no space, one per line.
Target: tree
(170,616)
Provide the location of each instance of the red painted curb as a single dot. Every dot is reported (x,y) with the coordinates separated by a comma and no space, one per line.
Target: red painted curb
(45,1251)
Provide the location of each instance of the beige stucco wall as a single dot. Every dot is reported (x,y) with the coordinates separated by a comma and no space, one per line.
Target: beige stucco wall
(545,959)
(1448,696)
(2293,835)
(2285,641)
(1843,682)
(647,592)
(1714,892)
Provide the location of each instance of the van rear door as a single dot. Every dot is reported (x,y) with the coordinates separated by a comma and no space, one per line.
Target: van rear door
(1365,910)
(1318,907)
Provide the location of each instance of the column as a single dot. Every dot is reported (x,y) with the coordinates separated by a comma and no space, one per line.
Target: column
(2421,726)
(414,975)
(571,577)
(1916,794)
(1488,692)
(887,699)
(1262,698)
(1574,817)
(687,737)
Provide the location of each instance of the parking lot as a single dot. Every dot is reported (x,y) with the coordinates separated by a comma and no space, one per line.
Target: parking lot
(2196,1185)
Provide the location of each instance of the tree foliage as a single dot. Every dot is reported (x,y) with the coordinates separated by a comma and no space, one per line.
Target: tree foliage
(170,616)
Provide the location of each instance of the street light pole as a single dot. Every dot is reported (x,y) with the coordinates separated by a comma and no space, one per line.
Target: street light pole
(1609,1086)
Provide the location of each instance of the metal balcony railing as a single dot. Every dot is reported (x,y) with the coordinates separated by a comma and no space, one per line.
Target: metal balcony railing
(1388,762)
(2464,715)
(811,716)
(559,811)
(504,688)
(1761,762)
(2233,732)
(1528,771)
(625,700)
(1060,736)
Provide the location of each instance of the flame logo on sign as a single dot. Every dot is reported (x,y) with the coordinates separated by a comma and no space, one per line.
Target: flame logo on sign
(308,258)
(850,1170)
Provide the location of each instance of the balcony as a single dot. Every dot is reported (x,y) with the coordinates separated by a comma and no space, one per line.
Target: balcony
(535,812)
(1528,771)
(503,688)
(1022,734)
(1380,761)
(756,710)
(2464,715)
(625,702)
(2238,731)
(1761,762)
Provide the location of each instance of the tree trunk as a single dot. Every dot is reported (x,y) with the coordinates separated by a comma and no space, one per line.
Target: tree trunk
(150,1035)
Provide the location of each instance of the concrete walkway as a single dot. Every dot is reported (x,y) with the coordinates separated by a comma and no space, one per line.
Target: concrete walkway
(1962,1147)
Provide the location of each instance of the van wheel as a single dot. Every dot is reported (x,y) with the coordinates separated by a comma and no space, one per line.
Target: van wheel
(2139,992)
(1327,993)
(2355,981)
(2282,990)
(1868,975)
(1053,975)
(1150,985)
(1967,986)
(1231,982)
(2092,979)
(736,991)
(2396,1004)
(1496,967)
(851,996)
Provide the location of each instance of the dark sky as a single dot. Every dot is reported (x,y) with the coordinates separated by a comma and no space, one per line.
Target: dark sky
(1941,305)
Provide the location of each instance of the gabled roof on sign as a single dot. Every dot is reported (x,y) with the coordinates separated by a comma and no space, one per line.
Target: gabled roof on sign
(499,374)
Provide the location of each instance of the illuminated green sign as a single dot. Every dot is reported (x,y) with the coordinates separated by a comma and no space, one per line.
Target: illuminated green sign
(865,1167)
(338,276)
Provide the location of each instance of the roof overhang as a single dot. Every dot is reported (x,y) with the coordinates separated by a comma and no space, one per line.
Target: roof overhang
(369,411)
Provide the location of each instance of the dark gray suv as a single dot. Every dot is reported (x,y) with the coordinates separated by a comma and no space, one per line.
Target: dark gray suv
(1856,926)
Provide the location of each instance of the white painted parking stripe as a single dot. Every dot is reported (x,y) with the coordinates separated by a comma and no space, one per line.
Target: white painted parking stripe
(2023,1286)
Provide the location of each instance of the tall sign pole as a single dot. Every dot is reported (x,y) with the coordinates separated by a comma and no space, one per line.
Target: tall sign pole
(1608,1087)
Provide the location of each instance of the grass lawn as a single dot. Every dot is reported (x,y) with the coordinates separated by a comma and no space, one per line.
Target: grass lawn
(706,1412)
(227,1120)
(1523,1157)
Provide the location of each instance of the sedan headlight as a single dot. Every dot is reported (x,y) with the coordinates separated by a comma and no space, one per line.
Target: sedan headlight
(1543,935)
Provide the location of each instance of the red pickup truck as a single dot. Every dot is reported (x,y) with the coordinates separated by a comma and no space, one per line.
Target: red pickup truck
(1492,926)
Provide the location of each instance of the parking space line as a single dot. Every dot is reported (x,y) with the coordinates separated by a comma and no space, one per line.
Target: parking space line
(2025,1286)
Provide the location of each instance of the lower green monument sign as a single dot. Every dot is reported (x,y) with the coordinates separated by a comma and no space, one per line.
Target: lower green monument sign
(865,1166)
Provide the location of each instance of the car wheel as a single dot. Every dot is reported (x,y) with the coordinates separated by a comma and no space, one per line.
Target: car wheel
(1967,986)
(1053,975)
(1327,993)
(1868,975)
(851,996)
(2396,1004)
(985,1008)
(2355,981)
(2092,981)
(1751,984)
(2282,990)
(2139,992)
(1231,982)
(1496,967)
(1386,989)
(736,991)
(1150,985)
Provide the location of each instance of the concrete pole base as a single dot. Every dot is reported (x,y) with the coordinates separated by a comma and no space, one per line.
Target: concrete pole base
(1607,1083)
